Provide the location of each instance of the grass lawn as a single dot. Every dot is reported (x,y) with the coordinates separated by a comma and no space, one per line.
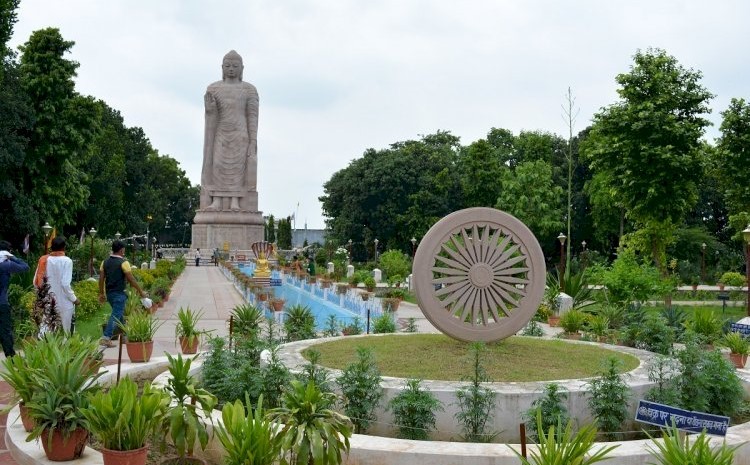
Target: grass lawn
(733,312)
(438,357)
(92,325)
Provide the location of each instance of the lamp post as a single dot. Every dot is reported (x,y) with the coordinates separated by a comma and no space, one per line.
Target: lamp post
(148,236)
(92,233)
(117,236)
(746,236)
(47,229)
(376,250)
(584,254)
(703,262)
(350,249)
(413,247)
(562,238)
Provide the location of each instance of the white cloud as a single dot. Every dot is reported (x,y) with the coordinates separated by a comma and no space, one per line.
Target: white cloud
(336,78)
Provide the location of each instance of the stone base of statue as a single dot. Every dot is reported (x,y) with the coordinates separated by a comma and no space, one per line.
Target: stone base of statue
(212,230)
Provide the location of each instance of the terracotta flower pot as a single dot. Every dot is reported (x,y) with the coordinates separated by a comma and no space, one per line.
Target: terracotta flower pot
(739,360)
(58,448)
(278,305)
(124,457)
(139,351)
(365,296)
(553,320)
(574,336)
(390,304)
(26,420)
(189,345)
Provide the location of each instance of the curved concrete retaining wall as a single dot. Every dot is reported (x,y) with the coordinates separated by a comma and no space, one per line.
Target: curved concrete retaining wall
(512,400)
(372,450)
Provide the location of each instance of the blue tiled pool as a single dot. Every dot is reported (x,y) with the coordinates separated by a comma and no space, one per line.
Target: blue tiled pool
(322,302)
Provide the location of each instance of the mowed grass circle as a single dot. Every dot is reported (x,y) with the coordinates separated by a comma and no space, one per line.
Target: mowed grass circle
(438,357)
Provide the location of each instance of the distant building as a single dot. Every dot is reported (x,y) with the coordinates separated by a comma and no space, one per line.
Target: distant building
(312,236)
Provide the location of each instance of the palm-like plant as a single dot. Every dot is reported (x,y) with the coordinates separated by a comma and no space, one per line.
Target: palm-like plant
(299,323)
(248,438)
(311,434)
(246,320)
(565,447)
(676,449)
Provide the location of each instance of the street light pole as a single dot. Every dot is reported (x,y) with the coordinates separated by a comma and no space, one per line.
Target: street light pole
(46,228)
(703,262)
(92,232)
(747,267)
(376,250)
(413,247)
(562,238)
(350,250)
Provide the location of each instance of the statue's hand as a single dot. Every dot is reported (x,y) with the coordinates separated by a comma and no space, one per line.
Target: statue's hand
(210,102)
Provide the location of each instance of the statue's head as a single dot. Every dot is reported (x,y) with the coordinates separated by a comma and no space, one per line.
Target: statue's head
(231,66)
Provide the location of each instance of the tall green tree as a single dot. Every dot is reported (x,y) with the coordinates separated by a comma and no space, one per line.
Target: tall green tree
(647,146)
(64,125)
(16,119)
(733,160)
(284,236)
(529,194)
(271,229)
(481,172)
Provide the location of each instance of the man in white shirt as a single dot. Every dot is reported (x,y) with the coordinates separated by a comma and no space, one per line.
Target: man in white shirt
(59,272)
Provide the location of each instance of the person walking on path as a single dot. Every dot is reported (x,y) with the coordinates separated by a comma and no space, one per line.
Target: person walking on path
(59,272)
(8,265)
(113,273)
(198,257)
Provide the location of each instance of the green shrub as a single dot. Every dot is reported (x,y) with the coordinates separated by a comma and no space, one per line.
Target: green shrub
(676,449)
(573,321)
(732,278)
(476,402)
(88,294)
(627,280)
(145,278)
(360,389)
(655,335)
(384,324)
(704,324)
(551,407)
(394,264)
(414,411)
(608,400)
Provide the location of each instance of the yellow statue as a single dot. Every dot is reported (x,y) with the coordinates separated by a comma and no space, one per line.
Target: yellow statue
(261,266)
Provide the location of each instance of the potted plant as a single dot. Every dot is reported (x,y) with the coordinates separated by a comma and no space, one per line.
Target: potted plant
(140,329)
(248,438)
(342,288)
(21,375)
(369,283)
(310,431)
(56,407)
(188,412)
(572,322)
(186,330)
(738,346)
(277,304)
(365,295)
(122,421)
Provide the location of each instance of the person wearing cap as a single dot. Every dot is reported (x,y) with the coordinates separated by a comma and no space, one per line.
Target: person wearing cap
(114,272)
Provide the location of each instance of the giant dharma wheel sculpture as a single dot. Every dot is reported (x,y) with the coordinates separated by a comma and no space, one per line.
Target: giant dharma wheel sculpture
(479,275)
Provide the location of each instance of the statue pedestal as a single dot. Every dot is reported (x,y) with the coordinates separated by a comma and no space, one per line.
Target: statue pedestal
(214,236)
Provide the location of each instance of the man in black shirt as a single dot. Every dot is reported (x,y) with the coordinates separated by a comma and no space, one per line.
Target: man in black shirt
(114,272)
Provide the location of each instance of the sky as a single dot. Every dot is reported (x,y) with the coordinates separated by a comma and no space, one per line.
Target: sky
(337,77)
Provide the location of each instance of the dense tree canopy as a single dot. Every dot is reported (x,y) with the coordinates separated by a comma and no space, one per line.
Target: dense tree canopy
(70,160)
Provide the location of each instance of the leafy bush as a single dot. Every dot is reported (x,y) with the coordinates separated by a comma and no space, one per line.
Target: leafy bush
(627,280)
(732,278)
(312,372)
(572,321)
(394,263)
(663,372)
(532,329)
(655,335)
(705,325)
(414,411)
(608,400)
(88,295)
(552,409)
(360,389)
(384,324)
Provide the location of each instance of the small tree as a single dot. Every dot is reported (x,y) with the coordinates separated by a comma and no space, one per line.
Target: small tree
(394,264)
(609,399)
(360,389)
(549,408)
(414,411)
(476,402)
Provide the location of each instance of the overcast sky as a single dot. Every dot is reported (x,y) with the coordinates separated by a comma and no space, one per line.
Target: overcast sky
(338,77)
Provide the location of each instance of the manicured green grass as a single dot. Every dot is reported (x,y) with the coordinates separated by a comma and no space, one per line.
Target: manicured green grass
(438,357)
(92,325)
